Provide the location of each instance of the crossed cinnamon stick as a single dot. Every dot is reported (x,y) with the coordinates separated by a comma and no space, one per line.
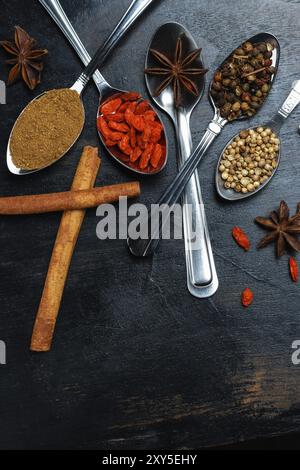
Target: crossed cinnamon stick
(81,196)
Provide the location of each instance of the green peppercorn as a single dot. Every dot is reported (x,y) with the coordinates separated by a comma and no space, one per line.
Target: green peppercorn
(265,88)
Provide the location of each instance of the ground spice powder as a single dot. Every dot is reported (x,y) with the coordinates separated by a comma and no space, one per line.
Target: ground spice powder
(46,129)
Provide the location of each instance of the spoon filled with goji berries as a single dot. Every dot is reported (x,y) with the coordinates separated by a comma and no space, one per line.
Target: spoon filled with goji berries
(36,141)
(131,131)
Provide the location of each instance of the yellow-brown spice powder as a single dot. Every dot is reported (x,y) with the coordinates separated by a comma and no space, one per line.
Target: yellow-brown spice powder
(46,129)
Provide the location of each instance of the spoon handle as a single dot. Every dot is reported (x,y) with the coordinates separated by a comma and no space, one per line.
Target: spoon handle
(135,9)
(57,13)
(287,107)
(291,101)
(146,246)
(201,270)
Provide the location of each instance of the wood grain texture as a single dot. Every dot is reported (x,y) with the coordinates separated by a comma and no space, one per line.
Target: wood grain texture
(137,361)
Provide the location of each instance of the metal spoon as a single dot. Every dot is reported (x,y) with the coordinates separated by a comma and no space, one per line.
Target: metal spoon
(146,247)
(275,124)
(202,278)
(57,13)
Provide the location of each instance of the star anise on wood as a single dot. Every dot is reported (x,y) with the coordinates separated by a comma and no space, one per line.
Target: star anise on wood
(178,73)
(283,229)
(26,61)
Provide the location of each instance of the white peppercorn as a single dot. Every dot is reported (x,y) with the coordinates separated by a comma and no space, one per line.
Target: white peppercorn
(250,159)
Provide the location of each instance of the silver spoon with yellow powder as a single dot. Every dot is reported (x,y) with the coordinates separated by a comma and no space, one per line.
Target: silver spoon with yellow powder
(52,122)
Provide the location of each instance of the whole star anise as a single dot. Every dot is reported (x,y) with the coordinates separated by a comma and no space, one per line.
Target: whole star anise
(177,73)
(25,59)
(283,229)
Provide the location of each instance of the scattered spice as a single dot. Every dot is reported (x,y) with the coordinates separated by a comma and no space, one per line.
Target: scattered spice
(283,229)
(46,129)
(294,271)
(180,73)
(241,238)
(242,83)
(133,132)
(247,297)
(26,61)
(250,159)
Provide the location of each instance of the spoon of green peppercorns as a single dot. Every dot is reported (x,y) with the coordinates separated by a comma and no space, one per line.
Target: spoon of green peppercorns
(250,159)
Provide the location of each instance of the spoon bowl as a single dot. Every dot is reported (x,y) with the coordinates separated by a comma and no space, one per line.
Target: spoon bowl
(135,9)
(22,171)
(261,37)
(275,124)
(230,194)
(108,92)
(163,40)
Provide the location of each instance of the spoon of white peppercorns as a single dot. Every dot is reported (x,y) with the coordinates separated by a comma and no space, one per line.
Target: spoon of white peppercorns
(250,159)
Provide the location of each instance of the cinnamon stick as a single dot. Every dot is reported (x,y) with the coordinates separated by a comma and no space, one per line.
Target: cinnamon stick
(69,200)
(62,254)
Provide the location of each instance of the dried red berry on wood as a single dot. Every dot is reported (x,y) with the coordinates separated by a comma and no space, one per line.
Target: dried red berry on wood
(294,271)
(247,297)
(241,238)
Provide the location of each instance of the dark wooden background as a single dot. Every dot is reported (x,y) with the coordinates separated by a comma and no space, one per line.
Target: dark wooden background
(137,362)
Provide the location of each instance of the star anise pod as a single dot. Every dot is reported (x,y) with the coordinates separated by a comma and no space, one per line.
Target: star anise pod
(25,61)
(178,72)
(283,229)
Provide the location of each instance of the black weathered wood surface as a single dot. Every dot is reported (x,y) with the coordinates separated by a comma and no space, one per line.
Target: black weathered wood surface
(137,362)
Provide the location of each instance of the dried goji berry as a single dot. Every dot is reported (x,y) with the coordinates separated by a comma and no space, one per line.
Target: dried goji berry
(140,141)
(118,126)
(130,96)
(117,117)
(138,122)
(123,107)
(129,116)
(241,238)
(135,154)
(247,297)
(156,155)
(149,116)
(142,107)
(146,134)
(109,143)
(156,132)
(111,106)
(103,127)
(132,137)
(146,155)
(132,106)
(124,144)
(294,271)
